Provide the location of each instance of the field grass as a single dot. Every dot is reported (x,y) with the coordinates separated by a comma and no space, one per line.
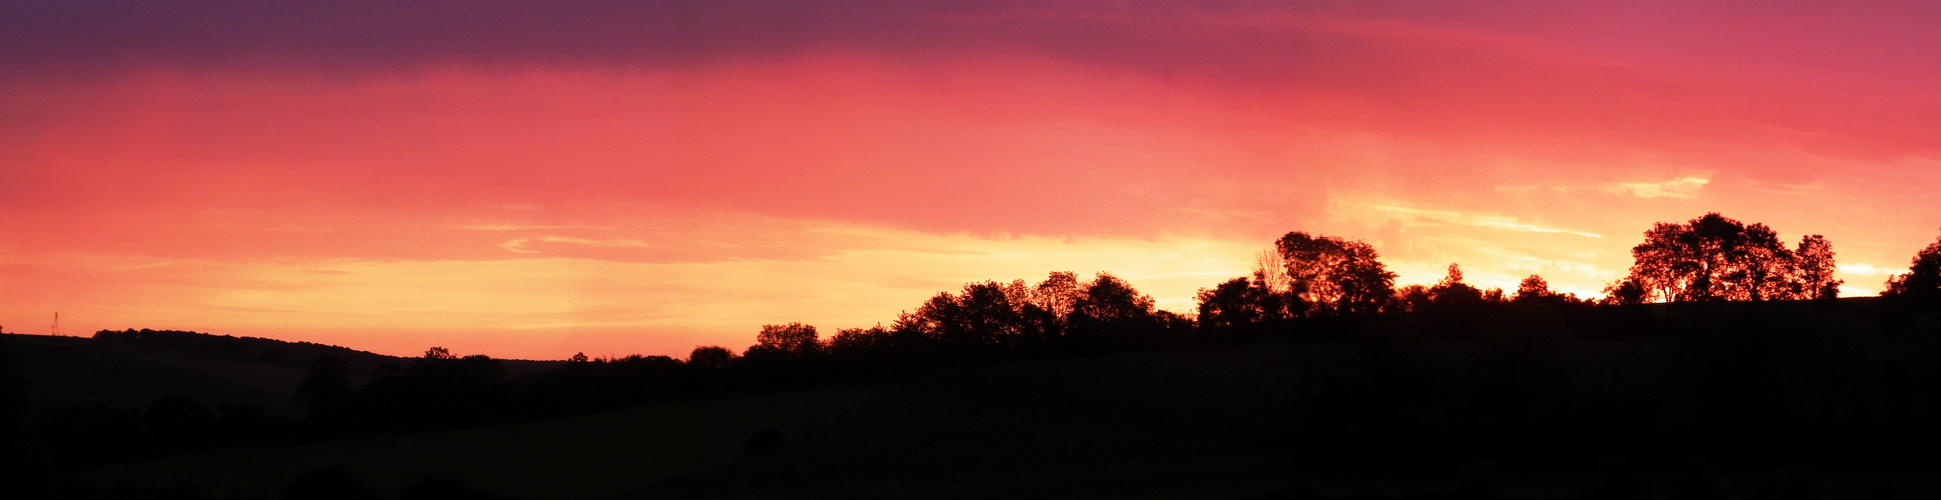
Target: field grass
(1205,423)
(1045,427)
(589,456)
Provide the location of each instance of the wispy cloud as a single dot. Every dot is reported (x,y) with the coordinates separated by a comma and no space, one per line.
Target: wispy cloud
(1682,187)
(517,246)
(1501,222)
(1860,269)
(522,227)
(520,245)
(1787,189)
(621,243)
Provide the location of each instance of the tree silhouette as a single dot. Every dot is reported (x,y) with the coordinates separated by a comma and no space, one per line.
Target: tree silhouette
(1413,298)
(1109,313)
(1231,303)
(1058,293)
(1111,301)
(1717,258)
(1814,265)
(1921,284)
(1333,276)
(437,389)
(857,340)
(1243,300)
(1451,292)
(710,357)
(793,339)
(1625,291)
(1533,288)
(990,314)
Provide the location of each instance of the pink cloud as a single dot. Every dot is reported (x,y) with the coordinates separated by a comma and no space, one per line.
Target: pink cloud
(1496,136)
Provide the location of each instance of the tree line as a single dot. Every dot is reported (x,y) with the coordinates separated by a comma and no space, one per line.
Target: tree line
(1306,288)
(1310,283)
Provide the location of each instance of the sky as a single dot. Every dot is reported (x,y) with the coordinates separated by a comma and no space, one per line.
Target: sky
(534,179)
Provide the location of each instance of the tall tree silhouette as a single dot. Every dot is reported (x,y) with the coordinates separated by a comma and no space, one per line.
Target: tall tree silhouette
(1452,292)
(1813,262)
(1921,284)
(1717,258)
(1333,276)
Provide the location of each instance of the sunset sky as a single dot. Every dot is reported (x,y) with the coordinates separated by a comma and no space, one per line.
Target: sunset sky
(533,179)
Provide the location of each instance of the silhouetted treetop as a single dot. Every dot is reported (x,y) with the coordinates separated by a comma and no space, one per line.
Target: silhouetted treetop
(1238,301)
(1452,292)
(1058,293)
(1921,283)
(1814,268)
(710,357)
(1717,258)
(1533,287)
(1333,276)
(1302,276)
(1110,299)
(793,339)
(992,316)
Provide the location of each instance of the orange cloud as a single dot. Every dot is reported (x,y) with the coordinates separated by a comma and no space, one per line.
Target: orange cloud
(573,182)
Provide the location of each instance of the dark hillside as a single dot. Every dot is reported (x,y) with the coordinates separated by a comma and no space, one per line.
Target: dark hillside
(1647,399)
(128,369)
(1743,399)
(297,354)
(62,370)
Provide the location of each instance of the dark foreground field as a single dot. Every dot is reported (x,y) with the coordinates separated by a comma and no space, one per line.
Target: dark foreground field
(1791,402)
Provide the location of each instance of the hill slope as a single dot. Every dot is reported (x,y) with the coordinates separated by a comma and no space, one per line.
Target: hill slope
(1229,422)
(61,370)
(209,368)
(1188,417)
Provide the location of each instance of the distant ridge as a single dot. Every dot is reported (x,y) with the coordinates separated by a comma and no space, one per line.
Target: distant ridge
(299,354)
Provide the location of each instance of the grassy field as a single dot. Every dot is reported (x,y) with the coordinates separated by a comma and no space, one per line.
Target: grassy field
(596,455)
(1036,426)
(1210,423)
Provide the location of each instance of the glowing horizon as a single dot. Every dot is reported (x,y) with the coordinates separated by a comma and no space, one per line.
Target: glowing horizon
(617,179)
